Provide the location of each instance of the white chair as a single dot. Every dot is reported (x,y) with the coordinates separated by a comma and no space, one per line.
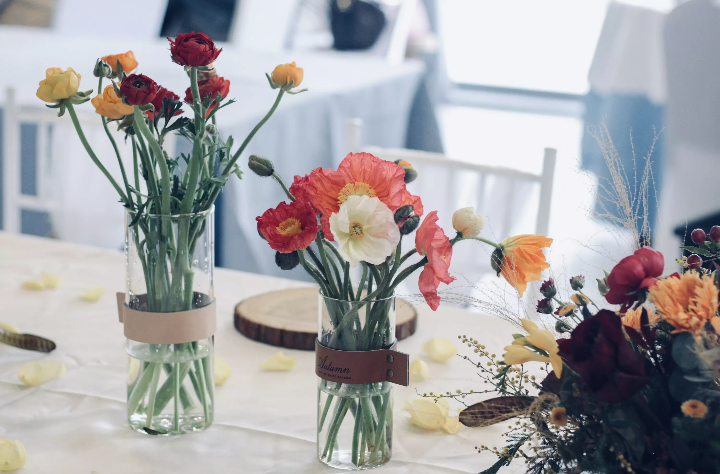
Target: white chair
(502,195)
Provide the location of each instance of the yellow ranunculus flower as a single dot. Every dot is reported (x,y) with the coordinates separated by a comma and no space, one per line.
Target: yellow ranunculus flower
(284,74)
(110,105)
(127,61)
(58,84)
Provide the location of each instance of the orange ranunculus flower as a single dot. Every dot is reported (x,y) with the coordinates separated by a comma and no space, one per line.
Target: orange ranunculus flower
(127,61)
(58,84)
(359,174)
(110,105)
(633,317)
(284,74)
(687,302)
(520,259)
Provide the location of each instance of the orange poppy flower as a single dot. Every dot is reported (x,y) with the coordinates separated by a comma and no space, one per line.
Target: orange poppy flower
(359,174)
(687,302)
(520,260)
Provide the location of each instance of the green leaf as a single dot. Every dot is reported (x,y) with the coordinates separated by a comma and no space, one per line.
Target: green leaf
(683,351)
(697,250)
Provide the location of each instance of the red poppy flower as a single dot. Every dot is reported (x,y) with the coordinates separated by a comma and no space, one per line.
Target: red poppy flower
(289,227)
(211,86)
(359,174)
(414,201)
(431,241)
(632,274)
(137,89)
(157,102)
(193,49)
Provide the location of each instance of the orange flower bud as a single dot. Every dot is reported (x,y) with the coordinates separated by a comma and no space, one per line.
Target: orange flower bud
(284,74)
(110,105)
(127,61)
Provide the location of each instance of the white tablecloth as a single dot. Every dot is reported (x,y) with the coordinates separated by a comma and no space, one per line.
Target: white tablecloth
(305,132)
(265,422)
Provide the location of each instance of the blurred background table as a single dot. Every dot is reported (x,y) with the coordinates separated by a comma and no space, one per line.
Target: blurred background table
(265,422)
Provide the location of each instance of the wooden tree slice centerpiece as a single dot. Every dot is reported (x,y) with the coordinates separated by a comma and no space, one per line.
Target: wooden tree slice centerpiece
(289,318)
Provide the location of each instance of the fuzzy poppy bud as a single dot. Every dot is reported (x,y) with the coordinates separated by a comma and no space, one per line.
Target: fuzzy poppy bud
(562,327)
(577,282)
(211,129)
(403,213)
(496,260)
(410,173)
(410,224)
(261,166)
(715,233)
(547,289)
(694,261)
(102,69)
(698,236)
(287,261)
(545,306)
(603,287)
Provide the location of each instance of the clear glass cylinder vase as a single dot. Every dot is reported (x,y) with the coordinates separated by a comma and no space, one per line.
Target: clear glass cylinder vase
(355,421)
(170,387)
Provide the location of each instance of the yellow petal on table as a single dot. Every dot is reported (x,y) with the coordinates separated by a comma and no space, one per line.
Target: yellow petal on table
(93,294)
(223,371)
(419,370)
(12,455)
(278,363)
(439,350)
(50,281)
(34,285)
(37,373)
(427,413)
(452,425)
(9,328)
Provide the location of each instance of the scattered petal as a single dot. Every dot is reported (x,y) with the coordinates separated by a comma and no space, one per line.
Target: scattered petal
(50,281)
(35,285)
(223,370)
(452,425)
(419,370)
(133,369)
(93,294)
(12,455)
(427,413)
(278,363)
(37,373)
(439,350)
(9,328)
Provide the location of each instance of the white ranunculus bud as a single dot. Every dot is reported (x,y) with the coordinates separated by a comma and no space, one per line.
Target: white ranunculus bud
(467,222)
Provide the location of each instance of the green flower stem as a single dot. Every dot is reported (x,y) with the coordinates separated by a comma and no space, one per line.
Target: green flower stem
(326,408)
(93,157)
(119,158)
(136,170)
(328,275)
(362,280)
(382,422)
(356,436)
(367,411)
(100,85)
(480,239)
(155,368)
(283,186)
(139,391)
(313,272)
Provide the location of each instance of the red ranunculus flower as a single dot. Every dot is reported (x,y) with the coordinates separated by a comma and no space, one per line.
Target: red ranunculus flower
(193,49)
(157,102)
(137,89)
(604,359)
(431,241)
(289,227)
(632,274)
(211,86)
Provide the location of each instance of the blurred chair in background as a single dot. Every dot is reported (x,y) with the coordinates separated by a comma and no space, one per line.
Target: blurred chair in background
(137,19)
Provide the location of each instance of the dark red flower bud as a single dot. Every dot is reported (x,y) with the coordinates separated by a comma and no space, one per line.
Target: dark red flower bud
(715,233)
(157,102)
(137,89)
(545,306)
(694,261)
(193,49)
(547,289)
(212,86)
(698,236)
(577,282)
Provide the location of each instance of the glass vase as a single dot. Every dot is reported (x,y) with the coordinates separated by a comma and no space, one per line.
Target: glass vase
(355,420)
(170,387)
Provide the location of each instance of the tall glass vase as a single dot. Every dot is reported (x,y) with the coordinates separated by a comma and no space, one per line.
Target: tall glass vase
(355,420)
(170,387)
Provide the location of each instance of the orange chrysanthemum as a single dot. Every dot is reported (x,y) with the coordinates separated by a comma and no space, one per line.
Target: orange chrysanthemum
(632,318)
(521,260)
(687,302)
(694,409)
(359,174)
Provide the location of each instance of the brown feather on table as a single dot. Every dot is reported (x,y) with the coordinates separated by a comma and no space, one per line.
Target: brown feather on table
(29,342)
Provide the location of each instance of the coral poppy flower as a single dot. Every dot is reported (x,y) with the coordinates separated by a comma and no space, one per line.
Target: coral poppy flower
(289,227)
(431,241)
(359,174)
(520,260)
(688,302)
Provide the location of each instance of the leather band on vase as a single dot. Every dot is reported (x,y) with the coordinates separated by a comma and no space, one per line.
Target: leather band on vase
(361,367)
(167,328)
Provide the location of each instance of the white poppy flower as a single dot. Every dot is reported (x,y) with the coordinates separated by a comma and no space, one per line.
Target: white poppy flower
(365,230)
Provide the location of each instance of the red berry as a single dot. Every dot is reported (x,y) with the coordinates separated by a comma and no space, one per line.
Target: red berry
(698,236)
(694,261)
(715,233)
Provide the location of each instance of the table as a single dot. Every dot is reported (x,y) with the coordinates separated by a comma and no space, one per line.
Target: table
(306,131)
(265,422)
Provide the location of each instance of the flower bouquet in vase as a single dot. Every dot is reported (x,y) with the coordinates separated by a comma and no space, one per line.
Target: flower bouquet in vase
(168,309)
(356,215)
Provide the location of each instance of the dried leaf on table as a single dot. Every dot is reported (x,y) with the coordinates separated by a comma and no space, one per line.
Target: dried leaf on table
(495,410)
(28,342)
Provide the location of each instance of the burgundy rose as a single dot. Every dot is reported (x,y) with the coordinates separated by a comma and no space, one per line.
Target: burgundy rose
(193,49)
(212,86)
(157,102)
(604,359)
(137,89)
(632,274)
